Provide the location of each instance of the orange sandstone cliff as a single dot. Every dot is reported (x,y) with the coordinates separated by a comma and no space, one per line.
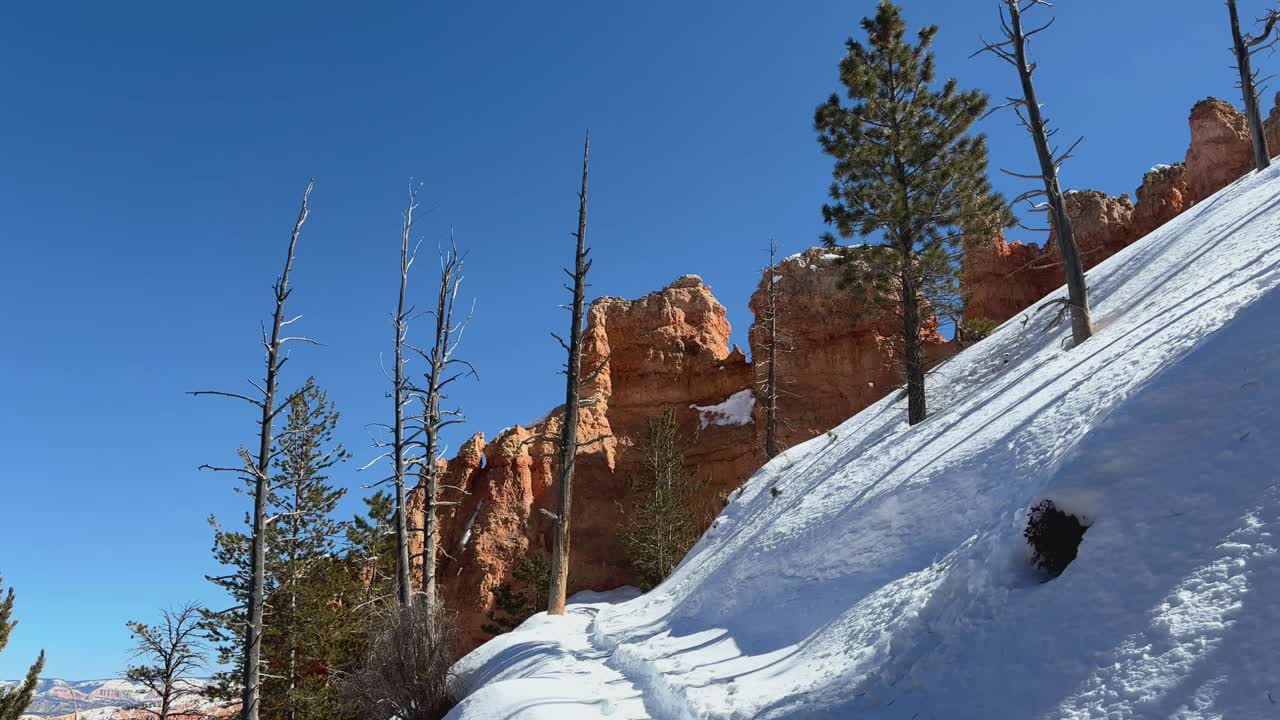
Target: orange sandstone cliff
(1003,278)
(671,349)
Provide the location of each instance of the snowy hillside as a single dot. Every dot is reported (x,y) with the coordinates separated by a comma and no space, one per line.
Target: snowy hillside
(881,572)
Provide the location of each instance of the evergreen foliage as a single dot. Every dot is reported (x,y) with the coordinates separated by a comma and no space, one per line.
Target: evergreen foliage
(1054,536)
(973,330)
(300,551)
(511,606)
(14,702)
(663,524)
(907,170)
(311,588)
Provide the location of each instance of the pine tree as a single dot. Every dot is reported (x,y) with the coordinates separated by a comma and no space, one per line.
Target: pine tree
(302,543)
(512,605)
(663,524)
(224,630)
(372,546)
(303,582)
(905,169)
(14,702)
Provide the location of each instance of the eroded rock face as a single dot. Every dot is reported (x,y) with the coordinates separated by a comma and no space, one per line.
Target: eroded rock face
(835,357)
(1220,149)
(1004,278)
(1164,194)
(669,349)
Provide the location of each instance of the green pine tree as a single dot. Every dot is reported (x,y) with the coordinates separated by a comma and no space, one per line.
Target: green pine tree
(302,543)
(14,702)
(663,524)
(906,169)
(372,548)
(512,606)
(307,582)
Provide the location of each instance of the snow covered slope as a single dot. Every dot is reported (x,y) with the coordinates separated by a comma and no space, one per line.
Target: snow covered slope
(880,571)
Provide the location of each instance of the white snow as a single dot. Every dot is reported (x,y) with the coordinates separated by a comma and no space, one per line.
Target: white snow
(735,410)
(880,572)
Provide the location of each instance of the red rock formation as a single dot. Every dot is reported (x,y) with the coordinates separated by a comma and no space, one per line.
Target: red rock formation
(1164,194)
(1003,278)
(669,349)
(1220,150)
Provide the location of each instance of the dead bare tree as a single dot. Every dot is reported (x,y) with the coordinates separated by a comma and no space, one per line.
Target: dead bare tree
(1013,50)
(776,343)
(443,369)
(172,652)
(568,443)
(401,395)
(255,469)
(1244,47)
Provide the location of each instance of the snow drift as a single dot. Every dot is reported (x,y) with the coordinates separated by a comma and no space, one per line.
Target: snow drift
(880,571)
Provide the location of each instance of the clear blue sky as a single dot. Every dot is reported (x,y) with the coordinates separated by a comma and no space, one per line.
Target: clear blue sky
(152,156)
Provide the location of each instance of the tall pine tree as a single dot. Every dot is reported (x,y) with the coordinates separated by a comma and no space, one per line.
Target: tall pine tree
(302,545)
(305,583)
(14,702)
(906,169)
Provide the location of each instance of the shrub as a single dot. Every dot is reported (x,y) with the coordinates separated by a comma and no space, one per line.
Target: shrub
(405,674)
(512,607)
(1054,536)
(975,329)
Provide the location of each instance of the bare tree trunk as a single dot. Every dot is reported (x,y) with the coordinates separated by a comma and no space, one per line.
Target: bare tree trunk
(1077,289)
(433,419)
(569,430)
(1243,51)
(404,583)
(291,670)
(175,648)
(913,353)
(253,636)
(771,381)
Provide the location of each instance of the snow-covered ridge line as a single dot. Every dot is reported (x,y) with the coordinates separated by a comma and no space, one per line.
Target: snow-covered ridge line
(880,571)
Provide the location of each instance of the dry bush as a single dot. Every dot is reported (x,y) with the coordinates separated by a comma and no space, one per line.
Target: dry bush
(405,674)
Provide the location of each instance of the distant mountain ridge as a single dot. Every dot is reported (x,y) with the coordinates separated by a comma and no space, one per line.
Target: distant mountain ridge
(106,699)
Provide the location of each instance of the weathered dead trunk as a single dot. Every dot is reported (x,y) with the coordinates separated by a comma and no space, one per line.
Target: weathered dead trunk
(400,396)
(569,431)
(1072,265)
(253,636)
(432,422)
(1243,48)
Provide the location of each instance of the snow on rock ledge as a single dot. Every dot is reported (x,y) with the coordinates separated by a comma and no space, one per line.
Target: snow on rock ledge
(880,571)
(734,411)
